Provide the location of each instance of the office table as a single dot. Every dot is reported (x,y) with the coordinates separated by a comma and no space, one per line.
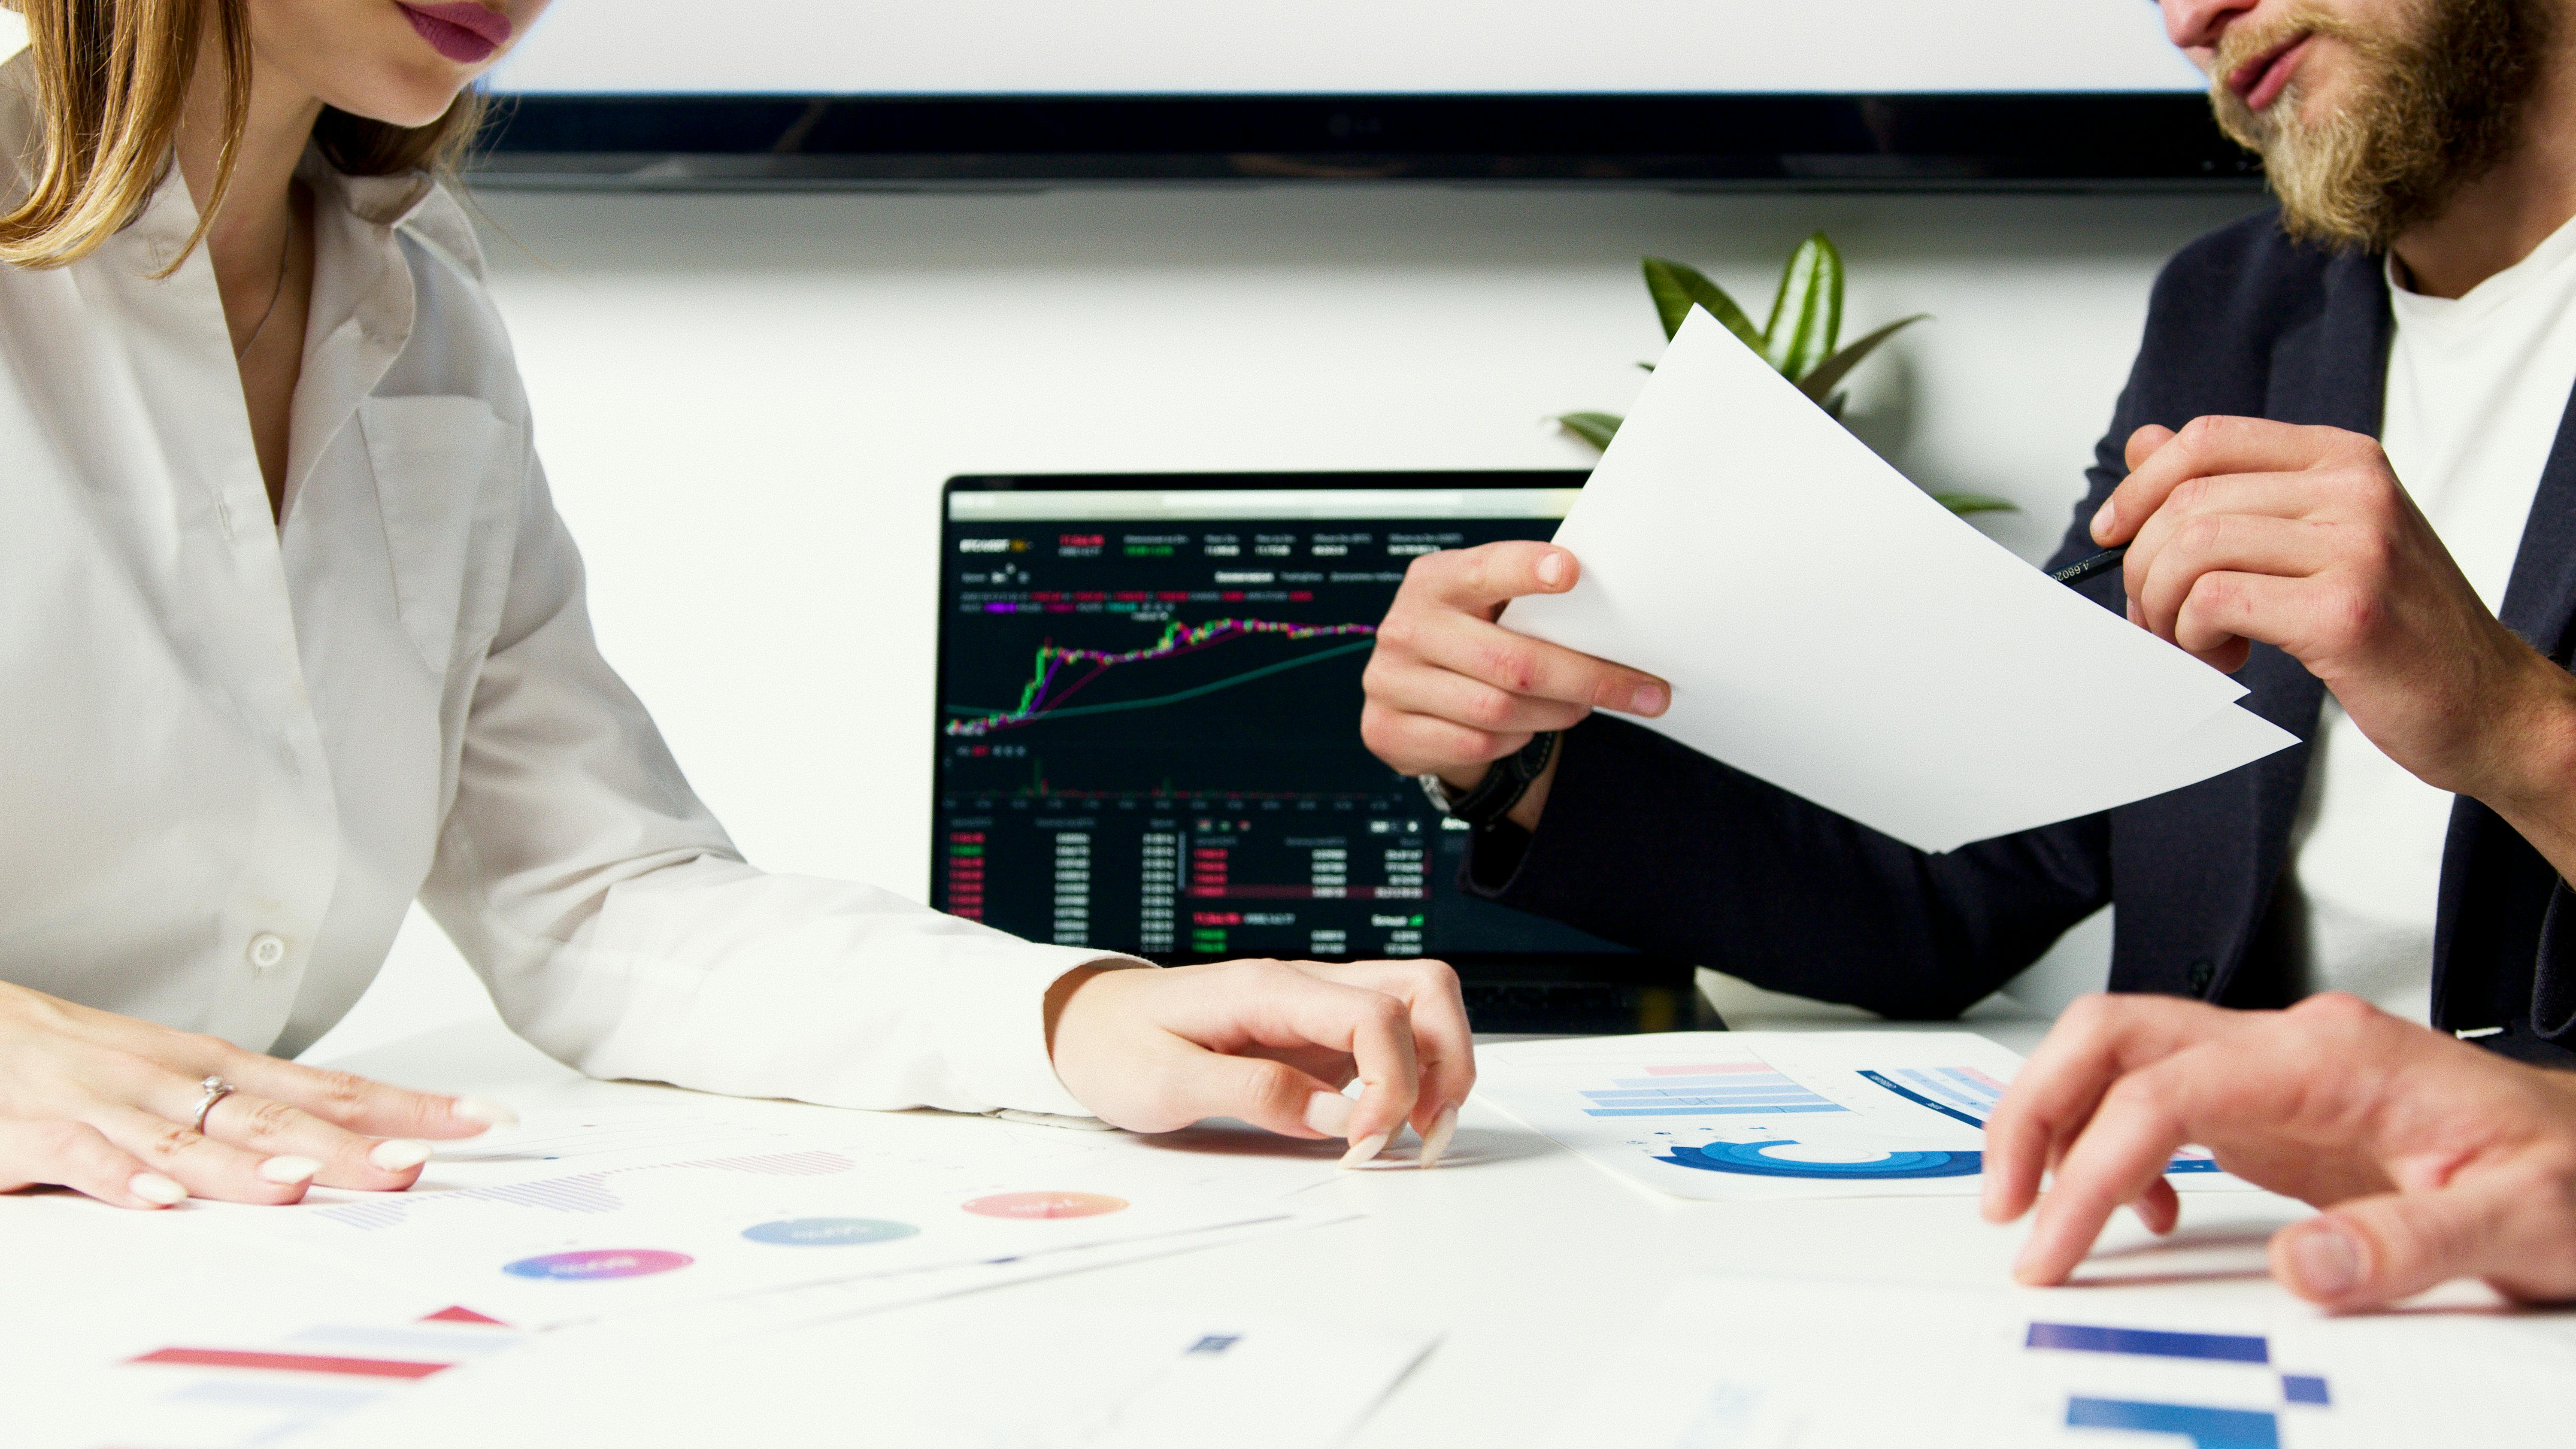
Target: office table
(1532,1265)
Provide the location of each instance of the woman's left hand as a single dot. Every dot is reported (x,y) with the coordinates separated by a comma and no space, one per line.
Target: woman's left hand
(1270,1042)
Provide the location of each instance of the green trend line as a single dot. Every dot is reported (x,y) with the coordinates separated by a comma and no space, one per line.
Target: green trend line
(1205,689)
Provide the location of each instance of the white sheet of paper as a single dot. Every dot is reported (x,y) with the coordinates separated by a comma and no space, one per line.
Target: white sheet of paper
(1737,1362)
(1829,628)
(577,1217)
(1733,1115)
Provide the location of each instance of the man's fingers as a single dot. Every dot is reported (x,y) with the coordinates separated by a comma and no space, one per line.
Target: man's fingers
(2374,1250)
(1492,655)
(2221,543)
(363,1105)
(1490,575)
(2095,1040)
(207,1168)
(271,1128)
(2205,447)
(76,1156)
(1417,743)
(2119,1158)
(2143,443)
(1422,688)
(2296,614)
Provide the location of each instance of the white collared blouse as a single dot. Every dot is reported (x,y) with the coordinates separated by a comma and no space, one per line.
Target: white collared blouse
(231,752)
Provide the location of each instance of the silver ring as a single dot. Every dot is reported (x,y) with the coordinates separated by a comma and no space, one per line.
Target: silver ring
(216,1089)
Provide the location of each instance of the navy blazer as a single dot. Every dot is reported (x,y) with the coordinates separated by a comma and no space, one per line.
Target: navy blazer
(1652,845)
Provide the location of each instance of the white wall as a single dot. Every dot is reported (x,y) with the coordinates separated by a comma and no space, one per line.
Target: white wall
(748,402)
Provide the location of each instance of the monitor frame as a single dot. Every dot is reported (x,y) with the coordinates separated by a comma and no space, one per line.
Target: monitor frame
(1620,968)
(1999,141)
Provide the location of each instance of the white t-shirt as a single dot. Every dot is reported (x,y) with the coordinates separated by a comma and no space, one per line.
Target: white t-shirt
(2476,388)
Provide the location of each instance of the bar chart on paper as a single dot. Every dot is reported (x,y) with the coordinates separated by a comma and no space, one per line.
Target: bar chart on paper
(1752,1114)
(2186,1368)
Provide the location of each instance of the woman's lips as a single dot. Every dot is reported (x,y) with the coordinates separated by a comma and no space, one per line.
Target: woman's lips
(2260,81)
(460,30)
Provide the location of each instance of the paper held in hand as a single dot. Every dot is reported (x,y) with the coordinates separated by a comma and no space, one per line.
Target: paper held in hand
(1829,628)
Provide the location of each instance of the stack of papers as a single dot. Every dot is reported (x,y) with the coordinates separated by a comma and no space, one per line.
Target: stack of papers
(1828,628)
(1769,1115)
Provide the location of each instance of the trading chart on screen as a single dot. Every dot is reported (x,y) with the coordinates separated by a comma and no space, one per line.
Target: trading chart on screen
(1149,723)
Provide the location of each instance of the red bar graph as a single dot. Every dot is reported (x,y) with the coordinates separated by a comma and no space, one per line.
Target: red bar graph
(309,1363)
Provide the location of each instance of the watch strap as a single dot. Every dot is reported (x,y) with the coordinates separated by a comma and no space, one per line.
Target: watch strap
(1503,785)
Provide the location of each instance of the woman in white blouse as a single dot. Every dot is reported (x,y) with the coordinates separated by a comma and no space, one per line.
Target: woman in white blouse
(295,636)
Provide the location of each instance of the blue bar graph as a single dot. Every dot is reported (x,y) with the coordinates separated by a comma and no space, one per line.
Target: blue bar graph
(2150,1342)
(2305,1389)
(1746,1093)
(2206,1428)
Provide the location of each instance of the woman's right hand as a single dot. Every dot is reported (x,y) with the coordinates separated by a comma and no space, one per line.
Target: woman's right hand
(103,1104)
(1450,691)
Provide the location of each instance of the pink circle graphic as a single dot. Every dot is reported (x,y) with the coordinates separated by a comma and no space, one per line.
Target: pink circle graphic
(1046,1205)
(593,1265)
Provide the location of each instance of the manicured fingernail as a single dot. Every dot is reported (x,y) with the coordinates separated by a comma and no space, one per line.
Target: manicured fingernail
(1551,569)
(153,1187)
(1329,1113)
(397,1155)
(288,1171)
(476,1109)
(1649,700)
(1364,1149)
(2327,1261)
(2102,521)
(1436,1141)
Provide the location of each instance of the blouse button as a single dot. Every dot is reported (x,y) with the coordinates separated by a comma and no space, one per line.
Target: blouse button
(266,950)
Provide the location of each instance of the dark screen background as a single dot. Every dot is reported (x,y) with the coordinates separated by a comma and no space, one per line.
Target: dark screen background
(1149,743)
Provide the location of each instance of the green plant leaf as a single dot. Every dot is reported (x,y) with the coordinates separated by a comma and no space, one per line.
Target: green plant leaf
(1675,286)
(1594,428)
(1819,383)
(1807,311)
(1964,503)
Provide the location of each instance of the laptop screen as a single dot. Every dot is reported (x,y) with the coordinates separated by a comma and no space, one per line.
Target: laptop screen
(1149,701)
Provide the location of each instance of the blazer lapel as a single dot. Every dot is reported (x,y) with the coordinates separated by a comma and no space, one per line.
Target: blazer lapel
(2538,601)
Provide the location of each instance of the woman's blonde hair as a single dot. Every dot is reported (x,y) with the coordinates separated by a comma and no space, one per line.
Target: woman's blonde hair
(112,78)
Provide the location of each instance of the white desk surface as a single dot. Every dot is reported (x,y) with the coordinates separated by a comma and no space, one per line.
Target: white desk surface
(1534,1266)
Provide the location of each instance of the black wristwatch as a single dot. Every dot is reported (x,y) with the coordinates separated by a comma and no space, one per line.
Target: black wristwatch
(1500,790)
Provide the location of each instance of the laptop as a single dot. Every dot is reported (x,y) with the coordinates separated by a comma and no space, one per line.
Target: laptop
(1148,734)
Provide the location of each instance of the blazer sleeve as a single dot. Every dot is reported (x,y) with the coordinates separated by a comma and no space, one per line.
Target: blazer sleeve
(619,930)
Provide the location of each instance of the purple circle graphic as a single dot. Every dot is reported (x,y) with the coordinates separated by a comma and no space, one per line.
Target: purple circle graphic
(593,1265)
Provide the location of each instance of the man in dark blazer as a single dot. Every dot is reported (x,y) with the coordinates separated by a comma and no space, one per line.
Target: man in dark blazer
(2430,145)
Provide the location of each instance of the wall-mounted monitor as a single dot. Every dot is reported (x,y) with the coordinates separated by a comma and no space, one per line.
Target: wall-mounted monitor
(1673,92)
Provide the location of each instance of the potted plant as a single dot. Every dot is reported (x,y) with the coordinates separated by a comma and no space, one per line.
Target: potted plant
(1799,341)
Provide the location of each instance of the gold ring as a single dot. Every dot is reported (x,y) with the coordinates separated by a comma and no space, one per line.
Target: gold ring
(216,1089)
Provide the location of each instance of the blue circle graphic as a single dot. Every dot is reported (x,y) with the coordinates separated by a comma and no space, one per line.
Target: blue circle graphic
(1750,1159)
(828,1232)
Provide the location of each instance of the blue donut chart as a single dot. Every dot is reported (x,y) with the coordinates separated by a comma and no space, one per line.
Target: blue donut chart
(1749,1159)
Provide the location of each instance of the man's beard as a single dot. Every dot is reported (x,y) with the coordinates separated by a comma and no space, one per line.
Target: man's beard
(2424,111)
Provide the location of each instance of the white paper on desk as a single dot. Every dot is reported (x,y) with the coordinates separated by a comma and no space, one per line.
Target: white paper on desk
(1829,628)
(1741,1362)
(681,1208)
(1734,1115)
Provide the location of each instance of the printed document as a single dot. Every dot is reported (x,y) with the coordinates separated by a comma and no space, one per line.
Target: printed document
(1828,627)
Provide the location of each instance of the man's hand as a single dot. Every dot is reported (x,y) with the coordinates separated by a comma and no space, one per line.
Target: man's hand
(1270,1042)
(1450,691)
(2242,529)
(2434,1159)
